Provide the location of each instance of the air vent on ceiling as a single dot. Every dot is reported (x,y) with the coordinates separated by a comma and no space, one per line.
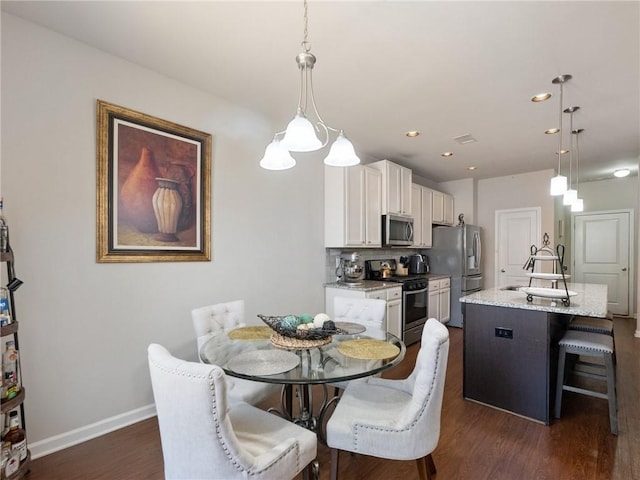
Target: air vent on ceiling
(464,139)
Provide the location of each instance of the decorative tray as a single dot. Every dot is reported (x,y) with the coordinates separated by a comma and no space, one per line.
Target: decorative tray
(557,293)
(547,276)
(544,257)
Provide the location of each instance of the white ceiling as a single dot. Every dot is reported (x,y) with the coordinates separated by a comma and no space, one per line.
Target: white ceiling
(384,67)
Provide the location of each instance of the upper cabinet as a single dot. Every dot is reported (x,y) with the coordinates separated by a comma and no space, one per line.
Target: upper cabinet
(396,187)
(352,207)
(442,208)
(421,204)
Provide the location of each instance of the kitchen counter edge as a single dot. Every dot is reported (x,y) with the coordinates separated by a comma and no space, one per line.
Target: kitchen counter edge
(371,285)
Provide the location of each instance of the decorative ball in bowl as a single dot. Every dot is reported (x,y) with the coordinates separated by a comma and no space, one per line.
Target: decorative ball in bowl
(302,327)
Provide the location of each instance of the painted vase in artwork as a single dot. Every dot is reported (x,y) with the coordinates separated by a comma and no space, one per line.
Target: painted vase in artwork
(167,206)
(136,193)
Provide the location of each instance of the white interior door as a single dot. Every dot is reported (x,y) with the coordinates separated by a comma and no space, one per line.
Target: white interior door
(516,231)
(601,254)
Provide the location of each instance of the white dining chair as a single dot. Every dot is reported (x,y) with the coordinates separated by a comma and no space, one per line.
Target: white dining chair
(220,319)
(368,312)
(204,436)
(395,419)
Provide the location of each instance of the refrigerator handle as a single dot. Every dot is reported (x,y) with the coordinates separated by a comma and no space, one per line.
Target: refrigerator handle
(477,248)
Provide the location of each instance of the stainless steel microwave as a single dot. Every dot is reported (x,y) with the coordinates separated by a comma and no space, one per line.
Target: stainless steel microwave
(397,231)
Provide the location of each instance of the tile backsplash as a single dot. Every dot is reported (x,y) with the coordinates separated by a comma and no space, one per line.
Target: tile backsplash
(332,254)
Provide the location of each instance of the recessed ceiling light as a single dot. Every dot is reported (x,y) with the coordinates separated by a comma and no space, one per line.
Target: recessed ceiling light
(541,97)
(622,172)
(552,130)
(472,168)
(446,154)
(412,133)
(563,151)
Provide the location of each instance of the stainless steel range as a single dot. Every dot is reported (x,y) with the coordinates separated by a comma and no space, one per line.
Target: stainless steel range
(415,296)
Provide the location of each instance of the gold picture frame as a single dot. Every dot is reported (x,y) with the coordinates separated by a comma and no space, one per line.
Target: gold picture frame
(153,189)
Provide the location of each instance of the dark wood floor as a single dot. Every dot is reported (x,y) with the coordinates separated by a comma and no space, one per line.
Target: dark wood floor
(476,442)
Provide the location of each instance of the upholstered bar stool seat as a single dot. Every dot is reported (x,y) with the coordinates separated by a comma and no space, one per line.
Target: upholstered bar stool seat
(593,325)
(588,344)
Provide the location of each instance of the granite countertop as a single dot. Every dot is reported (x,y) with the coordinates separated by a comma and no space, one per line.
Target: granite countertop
(590,301)
(369,285)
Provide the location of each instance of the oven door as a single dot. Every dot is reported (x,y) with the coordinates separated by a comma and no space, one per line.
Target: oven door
(414,314)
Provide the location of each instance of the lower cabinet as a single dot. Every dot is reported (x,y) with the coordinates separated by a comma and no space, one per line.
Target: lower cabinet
(392,295)
(440,299)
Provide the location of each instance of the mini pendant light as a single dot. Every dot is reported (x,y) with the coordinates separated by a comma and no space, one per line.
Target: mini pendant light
(578,205)
(559,182)
(571,195)
(301,133)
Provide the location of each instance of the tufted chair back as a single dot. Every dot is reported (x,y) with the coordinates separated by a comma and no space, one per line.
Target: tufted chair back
(370,312)
(215,319)
(205,437)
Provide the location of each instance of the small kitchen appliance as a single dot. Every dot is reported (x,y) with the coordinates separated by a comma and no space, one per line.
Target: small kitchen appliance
(418,264)
(349,270)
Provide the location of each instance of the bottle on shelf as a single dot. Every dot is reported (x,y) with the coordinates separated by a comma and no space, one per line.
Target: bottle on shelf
(16,436)
(4,231)
(10,461)
(5,312)
(10,383)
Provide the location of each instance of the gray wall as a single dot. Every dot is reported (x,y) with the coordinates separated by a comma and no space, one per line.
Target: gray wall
(85,327)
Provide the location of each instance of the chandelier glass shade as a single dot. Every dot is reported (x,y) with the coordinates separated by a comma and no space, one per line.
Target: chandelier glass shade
(277,157)
(301,134)
(559,182)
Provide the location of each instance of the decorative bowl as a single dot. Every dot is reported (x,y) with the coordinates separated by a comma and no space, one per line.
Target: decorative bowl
(275,322)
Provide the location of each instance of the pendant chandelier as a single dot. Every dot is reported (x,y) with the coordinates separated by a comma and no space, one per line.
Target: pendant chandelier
(578,205)
(301,134)
(571,195)
(559,182)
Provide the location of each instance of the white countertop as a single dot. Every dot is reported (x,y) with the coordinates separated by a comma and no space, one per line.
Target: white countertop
(590,301)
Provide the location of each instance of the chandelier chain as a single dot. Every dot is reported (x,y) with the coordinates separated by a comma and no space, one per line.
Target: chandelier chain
(305,44)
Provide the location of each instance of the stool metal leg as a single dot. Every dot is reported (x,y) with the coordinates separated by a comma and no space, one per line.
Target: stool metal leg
(561,376)
(611,392)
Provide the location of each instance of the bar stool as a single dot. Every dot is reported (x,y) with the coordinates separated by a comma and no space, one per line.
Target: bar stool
(594,325)
(588,344)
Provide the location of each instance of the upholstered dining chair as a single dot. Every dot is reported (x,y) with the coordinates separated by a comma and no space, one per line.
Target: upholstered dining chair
(203,436)
(369,312)
(395,419)
(219,319)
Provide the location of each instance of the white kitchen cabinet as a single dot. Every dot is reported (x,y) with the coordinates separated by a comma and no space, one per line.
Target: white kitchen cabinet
(352,207)
(442,208)
(392,295)
(396,187)
(421,204)
(440,299)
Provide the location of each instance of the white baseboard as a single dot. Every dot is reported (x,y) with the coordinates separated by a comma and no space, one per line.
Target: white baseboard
(82,434)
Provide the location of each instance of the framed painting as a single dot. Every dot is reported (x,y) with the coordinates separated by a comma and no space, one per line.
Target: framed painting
(153,189)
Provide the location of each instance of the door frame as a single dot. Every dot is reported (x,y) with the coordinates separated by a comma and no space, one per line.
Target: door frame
(632,253)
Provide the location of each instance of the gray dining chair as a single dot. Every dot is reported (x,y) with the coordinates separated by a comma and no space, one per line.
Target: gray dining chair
(204,436)
(395,419)
(219,319)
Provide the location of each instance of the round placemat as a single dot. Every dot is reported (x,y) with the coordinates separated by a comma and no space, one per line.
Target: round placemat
(368,349)
(350,327)
(250,333)
(263,362)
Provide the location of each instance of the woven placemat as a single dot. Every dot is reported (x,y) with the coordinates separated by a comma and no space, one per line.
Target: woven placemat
(290,343)
(368,349)
(250,333)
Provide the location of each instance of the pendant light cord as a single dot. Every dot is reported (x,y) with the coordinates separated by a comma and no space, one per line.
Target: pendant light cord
(306,46)
(560,127)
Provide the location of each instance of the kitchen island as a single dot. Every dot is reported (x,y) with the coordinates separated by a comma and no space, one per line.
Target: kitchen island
(511,346)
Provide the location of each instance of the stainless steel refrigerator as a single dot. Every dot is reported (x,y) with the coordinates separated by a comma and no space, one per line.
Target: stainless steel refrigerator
(457,251)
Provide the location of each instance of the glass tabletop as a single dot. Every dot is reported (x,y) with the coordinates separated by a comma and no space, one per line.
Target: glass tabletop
(336,361)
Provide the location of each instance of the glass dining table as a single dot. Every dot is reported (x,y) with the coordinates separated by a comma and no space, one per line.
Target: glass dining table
(250,353)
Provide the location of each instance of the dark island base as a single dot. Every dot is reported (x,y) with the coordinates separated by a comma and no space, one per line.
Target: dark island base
(511,358)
